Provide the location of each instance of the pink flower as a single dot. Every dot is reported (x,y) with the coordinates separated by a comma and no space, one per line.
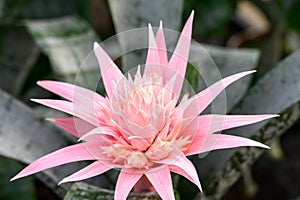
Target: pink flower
(140,127)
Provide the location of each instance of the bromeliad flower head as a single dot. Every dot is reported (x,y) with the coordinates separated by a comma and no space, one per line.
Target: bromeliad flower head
(140,127)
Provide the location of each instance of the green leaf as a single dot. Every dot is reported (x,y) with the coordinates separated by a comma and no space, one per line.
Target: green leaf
(276,92)
(83,191)
(67,41)
(24,188)
(292,16)
(132,14)
(18,54)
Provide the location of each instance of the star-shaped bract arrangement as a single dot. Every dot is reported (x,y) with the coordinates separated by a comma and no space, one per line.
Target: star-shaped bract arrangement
(141,127)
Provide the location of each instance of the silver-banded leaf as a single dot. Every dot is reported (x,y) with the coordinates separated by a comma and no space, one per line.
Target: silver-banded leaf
(18,54)
(277,92)
(67,41)
(83,191)
(26,137)
(132,14)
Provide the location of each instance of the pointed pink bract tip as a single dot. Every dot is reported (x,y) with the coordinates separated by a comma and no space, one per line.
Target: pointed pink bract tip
(18,176)
(61,182)
(39,83)
(50,119)
(43,83)
(34,100)
(191,17)
(247,72)
(160,24)
(261,145)
(96,45)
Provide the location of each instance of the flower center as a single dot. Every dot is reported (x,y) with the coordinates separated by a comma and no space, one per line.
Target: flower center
(127,157)
(158,151)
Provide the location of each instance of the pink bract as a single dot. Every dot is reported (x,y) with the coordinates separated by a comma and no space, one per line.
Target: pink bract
(140,127)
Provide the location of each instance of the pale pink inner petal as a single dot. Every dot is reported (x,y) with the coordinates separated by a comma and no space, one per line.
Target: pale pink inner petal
(139,142)
(102,132)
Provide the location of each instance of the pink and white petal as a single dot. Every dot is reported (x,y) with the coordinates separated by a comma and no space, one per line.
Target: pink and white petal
(221,141)
(183,173)
(153,59)
(78,152)
(68,107)
(126,180)
(110,73)
(200,101)
(172,85)
(161,45)
(161,180)
(180,164)
(139,142)
(91,170)
(105,136)
(214,123)
(76,126)
(72,92)
(100,131)
(179,59)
